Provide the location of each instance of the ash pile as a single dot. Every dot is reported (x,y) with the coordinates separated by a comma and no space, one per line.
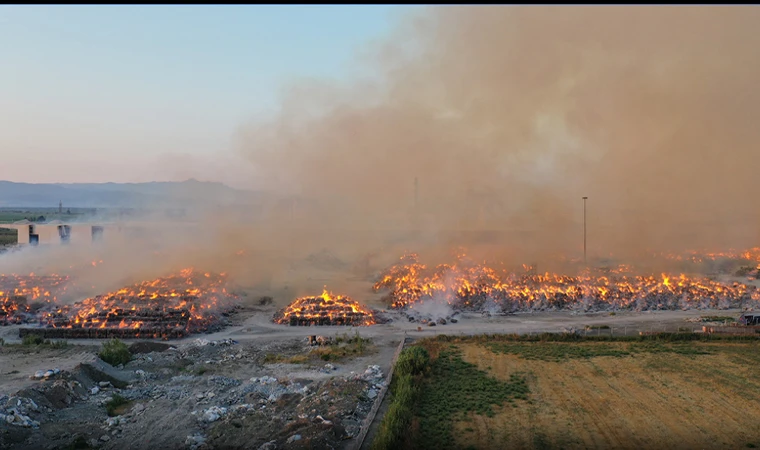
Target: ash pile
(326,309)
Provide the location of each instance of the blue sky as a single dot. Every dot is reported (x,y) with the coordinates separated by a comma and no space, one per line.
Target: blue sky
(92,93)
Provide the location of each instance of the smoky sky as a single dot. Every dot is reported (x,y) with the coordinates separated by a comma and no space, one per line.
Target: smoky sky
(508,115)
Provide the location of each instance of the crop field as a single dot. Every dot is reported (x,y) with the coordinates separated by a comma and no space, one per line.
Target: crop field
(502,392)
(8,236)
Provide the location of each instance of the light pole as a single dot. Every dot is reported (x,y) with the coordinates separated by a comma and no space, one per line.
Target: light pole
(584,229)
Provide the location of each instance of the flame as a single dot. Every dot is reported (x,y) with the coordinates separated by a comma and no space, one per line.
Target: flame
(469,286)
(186,300)
(21,294)
(325,309)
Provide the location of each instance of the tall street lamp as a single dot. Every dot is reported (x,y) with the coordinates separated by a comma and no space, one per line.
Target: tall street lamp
(584,229)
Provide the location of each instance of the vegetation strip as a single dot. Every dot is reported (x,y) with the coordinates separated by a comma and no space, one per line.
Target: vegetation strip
(380,396)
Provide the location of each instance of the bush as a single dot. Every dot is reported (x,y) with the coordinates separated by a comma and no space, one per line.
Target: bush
(32,339)
(112,406)
(412,360)
(115,352)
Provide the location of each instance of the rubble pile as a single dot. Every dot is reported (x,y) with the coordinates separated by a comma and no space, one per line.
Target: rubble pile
(166,401)
(169,307)
(466,286)
(326,309)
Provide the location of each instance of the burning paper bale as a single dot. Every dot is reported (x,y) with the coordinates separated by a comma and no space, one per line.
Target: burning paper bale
(169,307)
(22,296)
(327,309)
(476,287)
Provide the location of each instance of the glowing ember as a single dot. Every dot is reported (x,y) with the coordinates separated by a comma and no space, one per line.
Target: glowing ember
(326,309)
(188,302)
(469,286)
(21,296)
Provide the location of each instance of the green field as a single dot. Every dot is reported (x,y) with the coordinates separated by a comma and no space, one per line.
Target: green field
(8,237)
(488,392)
(10,215)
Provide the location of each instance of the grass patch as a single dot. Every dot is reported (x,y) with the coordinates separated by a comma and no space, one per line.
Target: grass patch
(115,352)
(722,319)
(558,351)
(31,340)
(405,391)
(455,389)
(341,347)
(117,405)
(597,327)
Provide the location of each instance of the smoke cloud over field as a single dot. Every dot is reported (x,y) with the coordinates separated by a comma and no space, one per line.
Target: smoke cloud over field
(508,115)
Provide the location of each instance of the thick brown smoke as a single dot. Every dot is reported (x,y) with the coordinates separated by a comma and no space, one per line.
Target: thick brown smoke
(509,115)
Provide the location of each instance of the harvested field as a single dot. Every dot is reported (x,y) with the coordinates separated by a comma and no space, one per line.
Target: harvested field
(598,395)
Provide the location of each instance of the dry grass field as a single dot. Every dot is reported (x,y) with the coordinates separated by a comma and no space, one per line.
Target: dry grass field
(683,395)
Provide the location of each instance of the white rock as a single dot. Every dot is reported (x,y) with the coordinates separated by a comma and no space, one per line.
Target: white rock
(94,390)
(271,445)
(295,437)
(104,384)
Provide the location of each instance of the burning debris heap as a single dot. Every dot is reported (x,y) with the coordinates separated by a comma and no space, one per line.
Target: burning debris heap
(476,287)
(23,296)
(326,309)
(173,306)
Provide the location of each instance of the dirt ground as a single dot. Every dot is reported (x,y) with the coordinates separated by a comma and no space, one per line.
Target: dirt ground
(169,393)
(657,400)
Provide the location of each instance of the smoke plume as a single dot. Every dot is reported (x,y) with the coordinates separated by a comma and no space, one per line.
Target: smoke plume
(505,116)
(508,115)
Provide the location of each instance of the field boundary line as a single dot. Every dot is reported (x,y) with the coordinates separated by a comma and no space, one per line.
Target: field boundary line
(380,397)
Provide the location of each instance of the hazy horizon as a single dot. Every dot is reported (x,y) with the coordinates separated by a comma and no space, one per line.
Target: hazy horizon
(135,93)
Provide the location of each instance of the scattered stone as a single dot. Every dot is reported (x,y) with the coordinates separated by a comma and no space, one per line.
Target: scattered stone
(105,384)
(295,437)
(213,414)
(271,445)
(94,390)
(195,440)
(105,438)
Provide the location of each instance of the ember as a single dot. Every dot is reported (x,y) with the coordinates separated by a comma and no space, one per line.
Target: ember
(189,302)
(21,296)
(327,309)
(477,287)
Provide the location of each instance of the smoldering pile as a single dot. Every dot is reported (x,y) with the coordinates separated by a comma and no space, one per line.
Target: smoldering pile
(168,307)
(465,286)
(24,297)
(326,309)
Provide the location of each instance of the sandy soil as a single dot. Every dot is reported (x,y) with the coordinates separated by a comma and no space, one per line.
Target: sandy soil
(642,401)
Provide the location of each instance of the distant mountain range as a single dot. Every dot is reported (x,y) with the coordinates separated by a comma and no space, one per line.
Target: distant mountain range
(128,195)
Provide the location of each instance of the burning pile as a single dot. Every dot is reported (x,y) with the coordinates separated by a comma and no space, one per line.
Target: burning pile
(173,306)
(22,296)
(477,287)
(326,309)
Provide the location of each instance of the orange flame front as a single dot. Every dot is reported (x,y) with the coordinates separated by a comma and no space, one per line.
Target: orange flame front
(326,309)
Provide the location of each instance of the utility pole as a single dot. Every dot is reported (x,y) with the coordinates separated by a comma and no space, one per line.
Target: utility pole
(584,229)
(416,193)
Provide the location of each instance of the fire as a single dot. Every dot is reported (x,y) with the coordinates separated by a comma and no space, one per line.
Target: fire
(326,309)
(22,295)
(470,286)
(186,302)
